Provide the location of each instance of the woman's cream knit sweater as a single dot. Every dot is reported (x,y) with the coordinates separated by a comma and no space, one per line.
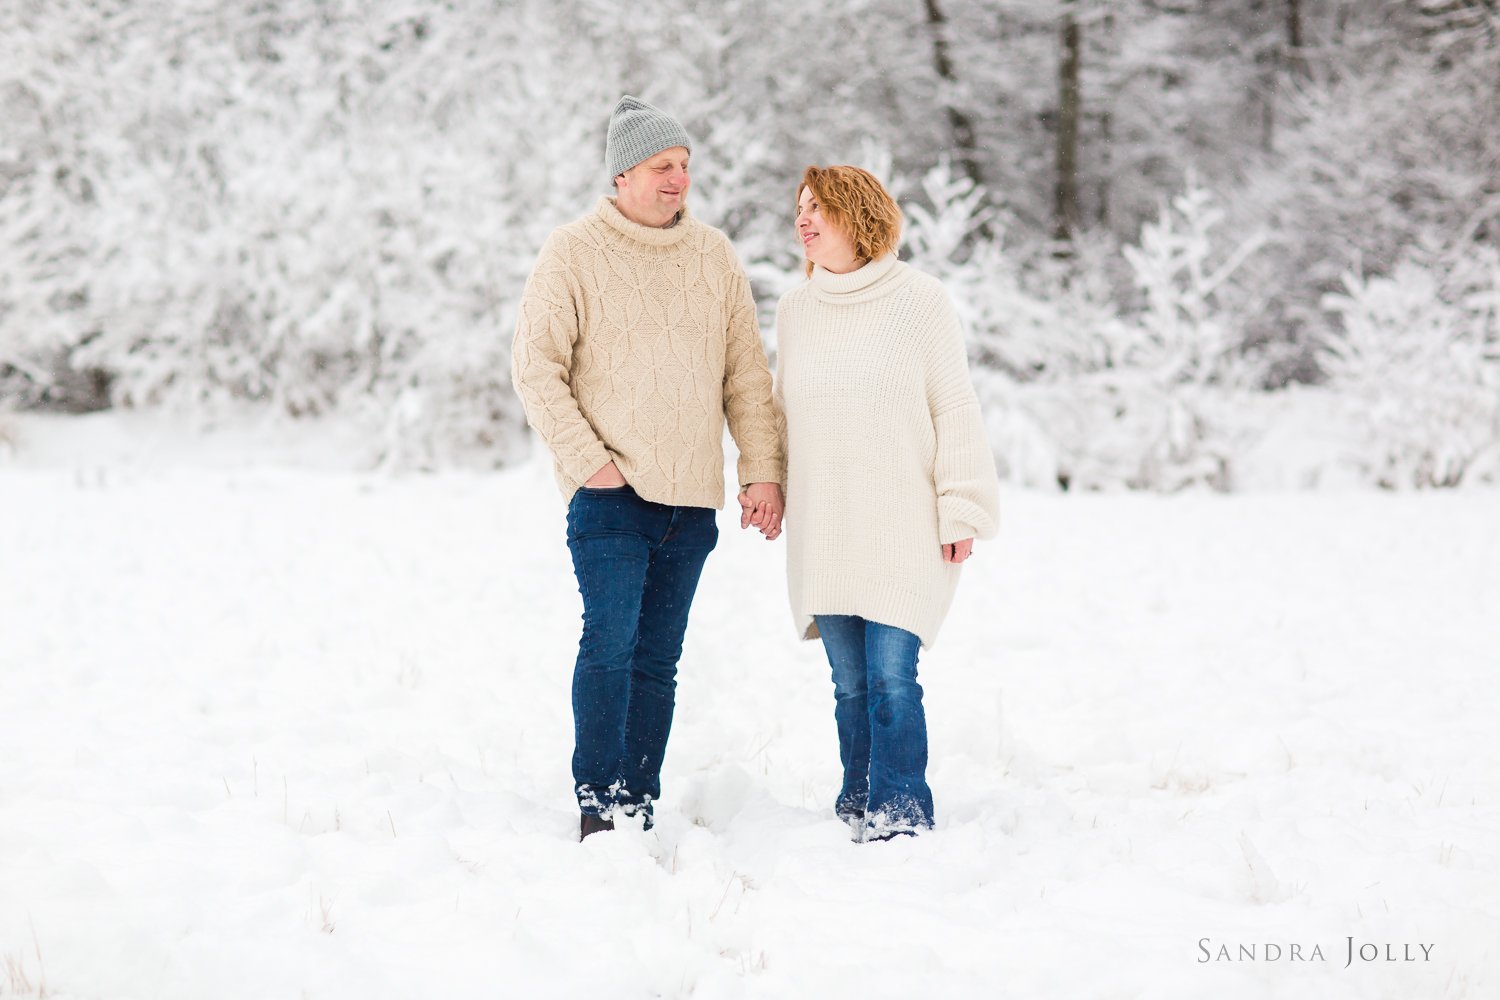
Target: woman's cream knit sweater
(886,452)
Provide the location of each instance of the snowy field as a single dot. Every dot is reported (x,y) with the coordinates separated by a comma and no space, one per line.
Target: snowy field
(285,730)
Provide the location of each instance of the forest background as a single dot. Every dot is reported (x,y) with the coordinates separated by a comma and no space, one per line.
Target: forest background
(1226,243)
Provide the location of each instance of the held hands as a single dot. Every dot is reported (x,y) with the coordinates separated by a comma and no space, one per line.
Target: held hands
(761,505)
(605,478)
(957,552)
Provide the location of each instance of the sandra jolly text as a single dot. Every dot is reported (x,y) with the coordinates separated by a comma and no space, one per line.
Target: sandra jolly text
(1296,951)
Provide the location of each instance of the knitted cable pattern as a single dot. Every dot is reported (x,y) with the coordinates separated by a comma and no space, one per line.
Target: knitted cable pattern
(634,345)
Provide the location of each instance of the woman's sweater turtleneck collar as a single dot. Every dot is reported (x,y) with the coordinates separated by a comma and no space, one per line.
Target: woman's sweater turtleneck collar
(880,276)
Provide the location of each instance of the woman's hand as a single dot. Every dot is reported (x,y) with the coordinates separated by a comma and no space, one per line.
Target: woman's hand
(761,505)
(605,478)
(958,551)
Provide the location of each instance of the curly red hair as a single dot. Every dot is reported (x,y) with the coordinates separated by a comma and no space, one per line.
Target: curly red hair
(858,204)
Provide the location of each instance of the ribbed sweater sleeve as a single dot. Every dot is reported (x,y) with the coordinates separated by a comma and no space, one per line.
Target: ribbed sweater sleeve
(542,361)
(753,414)
(964,468)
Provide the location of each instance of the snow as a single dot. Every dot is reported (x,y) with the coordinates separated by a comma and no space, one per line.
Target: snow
(276,727)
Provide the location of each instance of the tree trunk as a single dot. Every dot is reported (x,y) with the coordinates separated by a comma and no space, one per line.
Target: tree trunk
(1296,59)
(960,125)
(1109,56)
(1106,157)
(1268,115)
(1070,100)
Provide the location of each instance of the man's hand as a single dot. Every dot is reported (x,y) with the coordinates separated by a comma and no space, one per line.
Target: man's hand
(761,505)
(958,551)
(605,478)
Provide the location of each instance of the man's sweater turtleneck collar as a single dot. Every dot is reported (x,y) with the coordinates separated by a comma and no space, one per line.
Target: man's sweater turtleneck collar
(609,213)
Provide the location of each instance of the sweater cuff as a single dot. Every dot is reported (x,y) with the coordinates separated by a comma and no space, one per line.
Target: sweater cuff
(960,518)
(584,463)
(762,472)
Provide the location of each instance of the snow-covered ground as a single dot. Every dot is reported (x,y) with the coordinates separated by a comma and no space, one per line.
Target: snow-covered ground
(280,731)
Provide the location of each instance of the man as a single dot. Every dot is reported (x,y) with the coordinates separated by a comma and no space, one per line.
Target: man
(637,338)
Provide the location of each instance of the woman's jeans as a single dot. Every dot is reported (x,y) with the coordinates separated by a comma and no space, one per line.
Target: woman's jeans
(882,728)
(637,564)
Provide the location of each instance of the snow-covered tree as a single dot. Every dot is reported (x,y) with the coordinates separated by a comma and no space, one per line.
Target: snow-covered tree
(1418,364)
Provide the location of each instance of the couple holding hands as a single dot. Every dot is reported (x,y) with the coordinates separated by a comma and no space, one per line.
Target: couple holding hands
(636,341)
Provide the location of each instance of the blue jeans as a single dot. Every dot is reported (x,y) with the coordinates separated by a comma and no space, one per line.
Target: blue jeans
(882,728)
(637,564)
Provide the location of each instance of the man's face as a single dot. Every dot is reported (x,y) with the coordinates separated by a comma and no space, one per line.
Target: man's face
(653,191)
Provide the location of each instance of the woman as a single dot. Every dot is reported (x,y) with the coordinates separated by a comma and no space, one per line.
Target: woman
(889,481)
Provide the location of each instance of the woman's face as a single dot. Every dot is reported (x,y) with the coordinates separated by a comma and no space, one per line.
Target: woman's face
(823,243)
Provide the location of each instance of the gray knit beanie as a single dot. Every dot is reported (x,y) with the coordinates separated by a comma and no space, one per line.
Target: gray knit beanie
(637,131)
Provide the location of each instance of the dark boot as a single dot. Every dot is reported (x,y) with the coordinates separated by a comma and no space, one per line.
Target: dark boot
(589,823)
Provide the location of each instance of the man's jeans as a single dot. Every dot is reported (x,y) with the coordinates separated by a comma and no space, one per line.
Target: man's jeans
(882,728)
(637,564)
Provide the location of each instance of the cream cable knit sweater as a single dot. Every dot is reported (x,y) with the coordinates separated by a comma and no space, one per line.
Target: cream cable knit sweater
(886,452)
(633,345)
